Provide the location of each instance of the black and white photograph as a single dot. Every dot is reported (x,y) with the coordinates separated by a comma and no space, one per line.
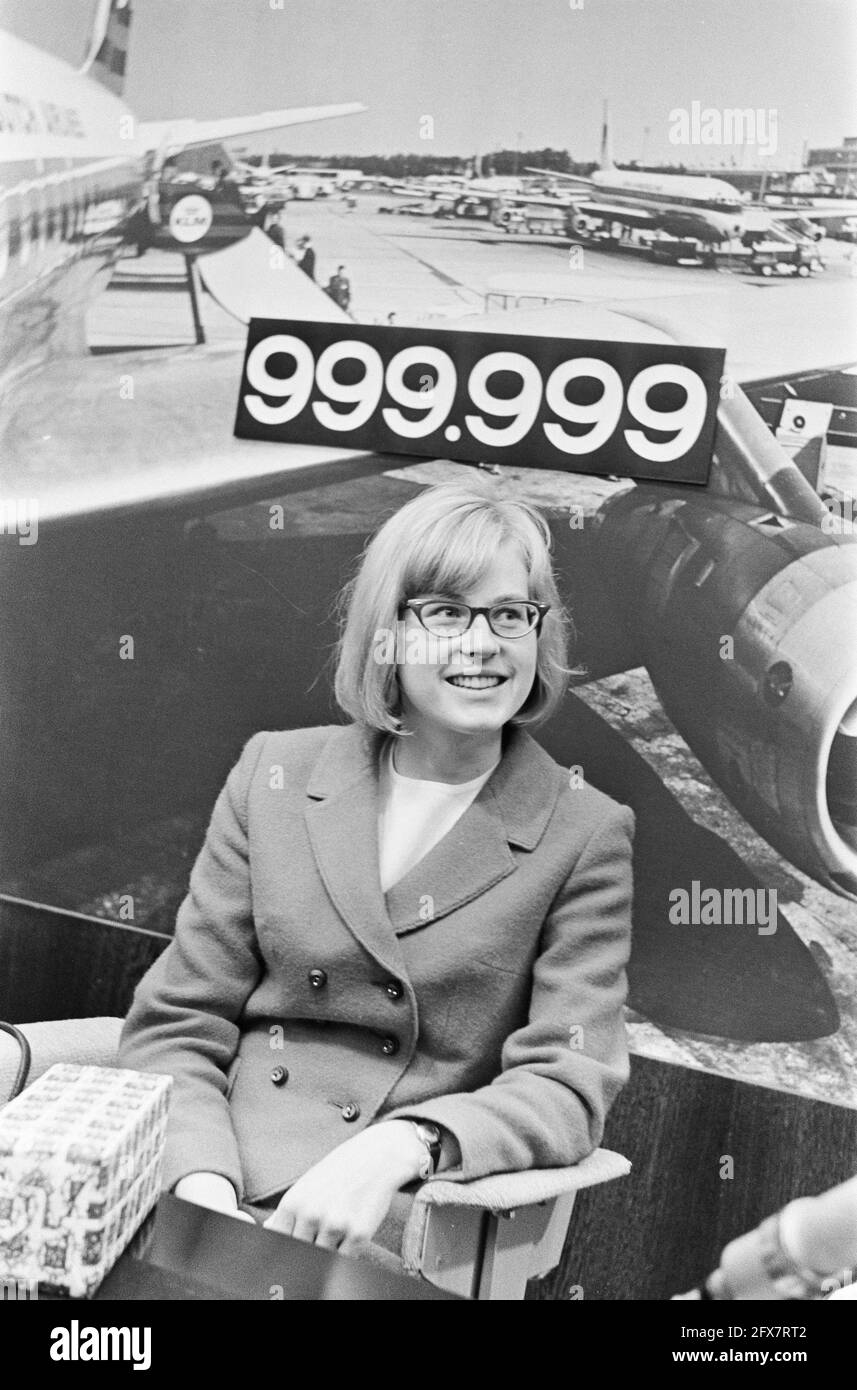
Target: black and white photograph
(428,663)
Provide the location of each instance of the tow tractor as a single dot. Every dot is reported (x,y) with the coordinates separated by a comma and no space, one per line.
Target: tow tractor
(769,258)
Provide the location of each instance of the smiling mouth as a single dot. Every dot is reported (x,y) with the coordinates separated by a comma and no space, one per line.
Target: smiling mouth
(476,682)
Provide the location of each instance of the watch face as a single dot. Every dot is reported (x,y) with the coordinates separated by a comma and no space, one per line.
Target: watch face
(431,1135)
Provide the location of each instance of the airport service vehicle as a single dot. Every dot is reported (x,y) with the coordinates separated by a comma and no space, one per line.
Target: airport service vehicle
(305,187)
(677,251)
(418,208)
(472,207)
(535,218)
(605,235)
(772,258)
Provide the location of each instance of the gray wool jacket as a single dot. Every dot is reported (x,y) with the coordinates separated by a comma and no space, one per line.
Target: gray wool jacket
(298,1004)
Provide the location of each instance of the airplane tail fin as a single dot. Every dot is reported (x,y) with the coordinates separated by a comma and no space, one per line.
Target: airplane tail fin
(606,161)
(107,49)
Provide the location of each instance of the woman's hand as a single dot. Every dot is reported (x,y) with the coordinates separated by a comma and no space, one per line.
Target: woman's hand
(211,1190)
(342,1200)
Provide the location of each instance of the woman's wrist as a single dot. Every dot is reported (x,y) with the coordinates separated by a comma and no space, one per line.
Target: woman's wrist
(409,1151)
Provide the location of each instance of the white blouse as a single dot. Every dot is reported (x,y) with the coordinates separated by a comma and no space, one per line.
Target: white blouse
(415,814)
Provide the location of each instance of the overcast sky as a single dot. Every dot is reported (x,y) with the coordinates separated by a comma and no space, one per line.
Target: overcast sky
(489,73)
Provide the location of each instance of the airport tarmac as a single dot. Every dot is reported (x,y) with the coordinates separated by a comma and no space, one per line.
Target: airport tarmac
(423,272)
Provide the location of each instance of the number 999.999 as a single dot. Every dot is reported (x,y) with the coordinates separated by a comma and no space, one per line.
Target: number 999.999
(418,396)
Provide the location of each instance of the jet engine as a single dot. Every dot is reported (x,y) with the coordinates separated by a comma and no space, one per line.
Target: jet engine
(747,622)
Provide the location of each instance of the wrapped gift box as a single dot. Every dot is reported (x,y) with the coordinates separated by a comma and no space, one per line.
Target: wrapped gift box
(80,1168)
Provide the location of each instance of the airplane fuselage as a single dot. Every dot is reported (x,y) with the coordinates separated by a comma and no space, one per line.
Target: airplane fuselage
(72,175)
(80,178)
(716,201)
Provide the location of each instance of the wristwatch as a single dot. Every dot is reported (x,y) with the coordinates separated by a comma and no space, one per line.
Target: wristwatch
(429,1134)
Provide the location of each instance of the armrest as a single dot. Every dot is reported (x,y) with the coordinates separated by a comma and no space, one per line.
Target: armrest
(509,1191)
(454,1236)
(90,1042)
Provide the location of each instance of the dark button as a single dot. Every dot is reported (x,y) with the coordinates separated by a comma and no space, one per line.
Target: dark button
(389,1046)
(317,978)
(394,989)
(279,1076)
(351,1111)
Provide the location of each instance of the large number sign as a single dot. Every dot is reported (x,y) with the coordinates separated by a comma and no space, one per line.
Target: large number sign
(639,410)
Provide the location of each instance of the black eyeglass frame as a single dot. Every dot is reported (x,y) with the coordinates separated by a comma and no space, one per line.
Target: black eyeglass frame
(417,605)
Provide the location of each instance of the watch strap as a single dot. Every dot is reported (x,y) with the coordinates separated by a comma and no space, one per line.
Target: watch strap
(429,1135)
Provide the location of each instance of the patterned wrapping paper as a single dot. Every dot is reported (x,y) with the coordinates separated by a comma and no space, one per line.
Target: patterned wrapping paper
(80,1168)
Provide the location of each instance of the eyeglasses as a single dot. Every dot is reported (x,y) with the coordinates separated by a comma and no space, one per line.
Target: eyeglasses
(447,618)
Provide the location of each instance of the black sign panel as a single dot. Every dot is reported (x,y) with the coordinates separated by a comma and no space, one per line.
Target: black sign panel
(637,410)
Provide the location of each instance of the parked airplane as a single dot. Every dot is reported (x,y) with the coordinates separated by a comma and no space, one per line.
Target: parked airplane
(80,179)
(813,216)
(708,209)
(711,210)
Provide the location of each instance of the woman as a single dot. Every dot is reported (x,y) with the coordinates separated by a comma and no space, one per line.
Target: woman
(403,949)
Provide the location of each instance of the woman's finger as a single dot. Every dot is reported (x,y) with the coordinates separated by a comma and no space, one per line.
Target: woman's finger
(306,1228)
(242,1216)
(282,1221)
(331,1237)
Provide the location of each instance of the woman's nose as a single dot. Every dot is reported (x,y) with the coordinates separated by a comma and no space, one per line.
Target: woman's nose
(482,639)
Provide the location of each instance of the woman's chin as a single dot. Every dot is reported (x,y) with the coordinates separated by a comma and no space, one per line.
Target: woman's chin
(476,716)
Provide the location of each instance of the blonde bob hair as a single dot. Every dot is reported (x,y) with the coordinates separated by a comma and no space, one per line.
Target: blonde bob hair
(442,542)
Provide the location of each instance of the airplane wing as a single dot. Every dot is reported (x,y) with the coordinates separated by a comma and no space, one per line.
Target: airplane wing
(157,135)
(249,279)
(83,446)
(567,178)
(846,211)
(631,217)
(538,200)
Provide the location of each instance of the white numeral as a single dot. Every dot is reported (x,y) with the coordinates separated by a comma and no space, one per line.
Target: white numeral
(364,394)
(435,401)
(524,407)
(603,414)
(295,388)
(688,419)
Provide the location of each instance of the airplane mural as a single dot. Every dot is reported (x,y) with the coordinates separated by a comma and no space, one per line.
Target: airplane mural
(671,570)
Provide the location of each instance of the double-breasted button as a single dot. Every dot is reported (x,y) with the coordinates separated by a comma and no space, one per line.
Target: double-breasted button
(279,1076)
(350,1112)
(317,978)
(389,1046)
(393,989)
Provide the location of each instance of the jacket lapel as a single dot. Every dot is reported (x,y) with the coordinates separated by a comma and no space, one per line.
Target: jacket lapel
(342,823)
(512,808)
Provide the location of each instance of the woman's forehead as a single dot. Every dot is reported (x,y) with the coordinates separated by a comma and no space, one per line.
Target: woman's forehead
(506,574)
(461,556)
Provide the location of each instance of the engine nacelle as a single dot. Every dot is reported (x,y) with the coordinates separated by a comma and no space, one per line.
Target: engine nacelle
(747,623)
